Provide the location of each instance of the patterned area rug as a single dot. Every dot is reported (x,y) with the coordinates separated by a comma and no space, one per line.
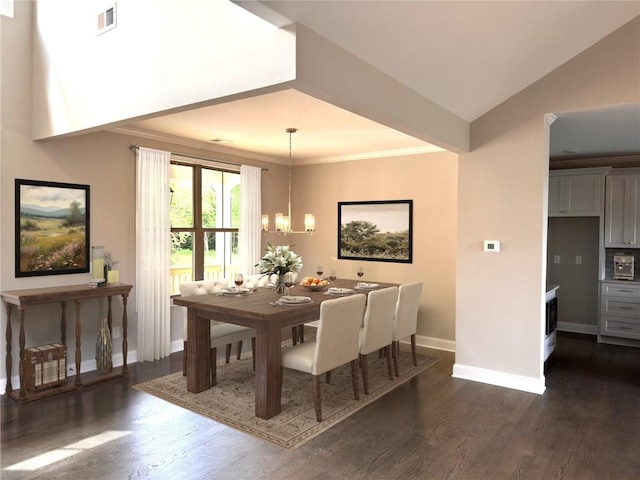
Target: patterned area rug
(231,401)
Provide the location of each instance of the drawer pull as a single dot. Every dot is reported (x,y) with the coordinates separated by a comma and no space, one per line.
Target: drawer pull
(624,308)
(626,291)
(624,328)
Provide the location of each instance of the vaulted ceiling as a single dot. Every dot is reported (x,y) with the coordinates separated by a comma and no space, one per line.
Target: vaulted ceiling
(467,57)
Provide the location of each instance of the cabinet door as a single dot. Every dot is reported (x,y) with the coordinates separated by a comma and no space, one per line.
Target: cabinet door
(556,196)
(583,195)
(575,196)
(622,215)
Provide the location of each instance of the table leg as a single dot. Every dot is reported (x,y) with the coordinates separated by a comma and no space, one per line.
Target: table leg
(78,343)
(63,323)
(22,365)
(8,357)
(198,352)
(268,370)
(125,343)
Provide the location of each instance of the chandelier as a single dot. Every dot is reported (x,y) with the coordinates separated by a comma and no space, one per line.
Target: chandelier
(283,222)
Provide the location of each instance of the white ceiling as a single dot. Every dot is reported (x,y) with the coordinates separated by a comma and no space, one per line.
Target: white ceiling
(467,57)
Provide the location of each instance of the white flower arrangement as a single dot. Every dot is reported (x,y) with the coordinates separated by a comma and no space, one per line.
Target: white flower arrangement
(279,260)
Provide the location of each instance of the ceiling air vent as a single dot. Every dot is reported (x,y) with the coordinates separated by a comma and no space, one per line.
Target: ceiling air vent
(107,19)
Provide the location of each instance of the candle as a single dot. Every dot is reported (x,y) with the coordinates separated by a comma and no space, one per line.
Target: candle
(98,268)
(112,276)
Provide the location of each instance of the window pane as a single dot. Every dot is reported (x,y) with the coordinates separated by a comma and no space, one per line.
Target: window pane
(232,181)
(212,198)
(181,260)
(213,255)
(181,183)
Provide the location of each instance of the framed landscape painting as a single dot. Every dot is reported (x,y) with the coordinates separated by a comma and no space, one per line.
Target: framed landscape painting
(52,228)
(380,231)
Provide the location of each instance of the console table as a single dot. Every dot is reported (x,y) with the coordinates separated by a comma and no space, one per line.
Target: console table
(76,293)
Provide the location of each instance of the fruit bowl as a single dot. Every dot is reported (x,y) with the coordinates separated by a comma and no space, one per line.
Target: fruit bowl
(313,283)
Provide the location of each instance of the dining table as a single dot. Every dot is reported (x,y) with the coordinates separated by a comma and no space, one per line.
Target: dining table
(258,309)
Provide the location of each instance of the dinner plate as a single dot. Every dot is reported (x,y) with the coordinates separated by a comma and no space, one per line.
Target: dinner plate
(293,299)
(339,291)
(367,286)
(233,291)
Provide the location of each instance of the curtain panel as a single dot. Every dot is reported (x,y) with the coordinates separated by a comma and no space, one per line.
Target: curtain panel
(153,237)
(250,228)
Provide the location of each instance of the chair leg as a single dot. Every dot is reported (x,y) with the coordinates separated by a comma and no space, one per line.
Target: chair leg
(317,397)
(387,353)
(253,352)
(328,375)
(184,358)
(395,348)
(413,349)
(239,350)
(227,353)
(354,379)
(365,373)
(294,335)
(301,332)
(213,353)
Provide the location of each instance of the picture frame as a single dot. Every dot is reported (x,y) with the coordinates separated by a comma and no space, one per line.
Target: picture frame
(51,228)
(378,231)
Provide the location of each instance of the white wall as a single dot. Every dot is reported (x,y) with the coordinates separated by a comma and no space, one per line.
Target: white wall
(163,54)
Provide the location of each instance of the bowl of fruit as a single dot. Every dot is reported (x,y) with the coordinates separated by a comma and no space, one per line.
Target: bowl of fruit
(314,283)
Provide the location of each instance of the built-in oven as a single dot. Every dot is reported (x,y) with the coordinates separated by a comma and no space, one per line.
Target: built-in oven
(551,316)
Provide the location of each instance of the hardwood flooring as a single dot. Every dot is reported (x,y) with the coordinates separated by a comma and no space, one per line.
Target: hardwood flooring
(585,426)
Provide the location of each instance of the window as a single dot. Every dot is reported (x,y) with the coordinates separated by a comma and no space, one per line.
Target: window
(205,213)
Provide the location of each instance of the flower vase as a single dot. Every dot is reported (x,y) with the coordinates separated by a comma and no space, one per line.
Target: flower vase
(280,286)
(104,349)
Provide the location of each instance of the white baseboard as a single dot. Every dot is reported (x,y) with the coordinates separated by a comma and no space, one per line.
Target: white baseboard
(501,379)
(435,343)
(578,328)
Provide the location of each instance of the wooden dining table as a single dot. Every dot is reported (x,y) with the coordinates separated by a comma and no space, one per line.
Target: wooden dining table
(258,311)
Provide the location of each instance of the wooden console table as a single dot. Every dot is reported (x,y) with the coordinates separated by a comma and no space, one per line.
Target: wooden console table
(36,296)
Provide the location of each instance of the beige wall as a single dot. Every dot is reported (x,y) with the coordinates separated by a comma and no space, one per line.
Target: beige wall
(430,181)
(502,195)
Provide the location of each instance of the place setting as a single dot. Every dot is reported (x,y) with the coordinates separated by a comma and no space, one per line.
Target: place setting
(238,290)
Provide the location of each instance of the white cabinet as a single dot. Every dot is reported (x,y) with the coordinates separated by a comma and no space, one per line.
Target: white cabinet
(576,193)
(620,310)
(622,209)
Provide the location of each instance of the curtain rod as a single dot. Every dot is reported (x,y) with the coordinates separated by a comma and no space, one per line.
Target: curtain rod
(135,147)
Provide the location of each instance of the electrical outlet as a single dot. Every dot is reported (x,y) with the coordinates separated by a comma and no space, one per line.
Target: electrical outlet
(115,332)
(578,260)
(556,259)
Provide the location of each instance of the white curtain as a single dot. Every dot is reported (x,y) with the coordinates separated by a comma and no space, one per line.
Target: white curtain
(152,253)
(250,228)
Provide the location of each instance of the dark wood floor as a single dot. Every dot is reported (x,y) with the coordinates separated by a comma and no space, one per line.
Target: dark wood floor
(585,426)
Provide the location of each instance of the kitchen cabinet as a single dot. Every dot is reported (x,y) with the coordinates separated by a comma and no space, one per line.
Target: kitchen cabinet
(622,209)
(620,309)
(576,193)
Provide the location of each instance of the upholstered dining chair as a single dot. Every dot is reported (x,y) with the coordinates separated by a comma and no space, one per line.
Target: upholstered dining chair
(222,334)
(406,320)
(377,329)
(336,344)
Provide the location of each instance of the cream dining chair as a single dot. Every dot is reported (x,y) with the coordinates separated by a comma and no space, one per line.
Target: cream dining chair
(336,344)
(406,320)
(377,329)
(222,334)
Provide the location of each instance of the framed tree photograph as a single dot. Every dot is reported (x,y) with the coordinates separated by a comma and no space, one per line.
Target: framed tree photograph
(52,228)
(380,231)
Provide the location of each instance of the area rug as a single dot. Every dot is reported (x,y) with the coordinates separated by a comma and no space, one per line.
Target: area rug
(231,401)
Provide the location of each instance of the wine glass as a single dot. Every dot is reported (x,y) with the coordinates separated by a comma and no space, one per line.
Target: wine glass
(238,280)
(288,281)
(360,272)
(319,270)
(332,275)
